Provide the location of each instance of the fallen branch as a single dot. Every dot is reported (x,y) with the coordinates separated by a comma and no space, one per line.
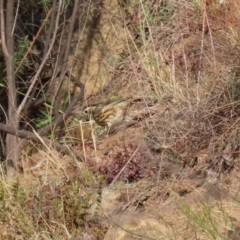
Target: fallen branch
(36,138)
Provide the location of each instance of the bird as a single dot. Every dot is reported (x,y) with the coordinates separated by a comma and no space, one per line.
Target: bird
(108,115)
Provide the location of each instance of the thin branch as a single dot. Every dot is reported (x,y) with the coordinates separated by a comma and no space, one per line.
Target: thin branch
(66,113)
(66,49)
(36,138)
(129,160)
(18,4)
(61,117)
(51,27)
(35,78)
(33,41)
(3,37)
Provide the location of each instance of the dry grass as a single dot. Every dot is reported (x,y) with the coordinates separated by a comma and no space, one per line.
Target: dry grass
(51,197)
(182,55)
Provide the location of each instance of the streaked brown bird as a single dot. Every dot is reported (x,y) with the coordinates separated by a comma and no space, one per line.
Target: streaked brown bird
(110,115)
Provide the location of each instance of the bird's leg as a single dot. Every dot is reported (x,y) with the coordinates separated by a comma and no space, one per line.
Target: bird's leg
(110,130)
(103,131)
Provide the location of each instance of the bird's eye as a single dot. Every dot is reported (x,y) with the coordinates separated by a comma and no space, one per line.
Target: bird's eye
(88,110)
(85,111)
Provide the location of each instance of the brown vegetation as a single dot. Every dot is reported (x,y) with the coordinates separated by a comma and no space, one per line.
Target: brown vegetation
(175,157)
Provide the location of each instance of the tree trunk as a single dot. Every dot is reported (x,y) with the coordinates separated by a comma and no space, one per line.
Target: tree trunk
(7,37)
